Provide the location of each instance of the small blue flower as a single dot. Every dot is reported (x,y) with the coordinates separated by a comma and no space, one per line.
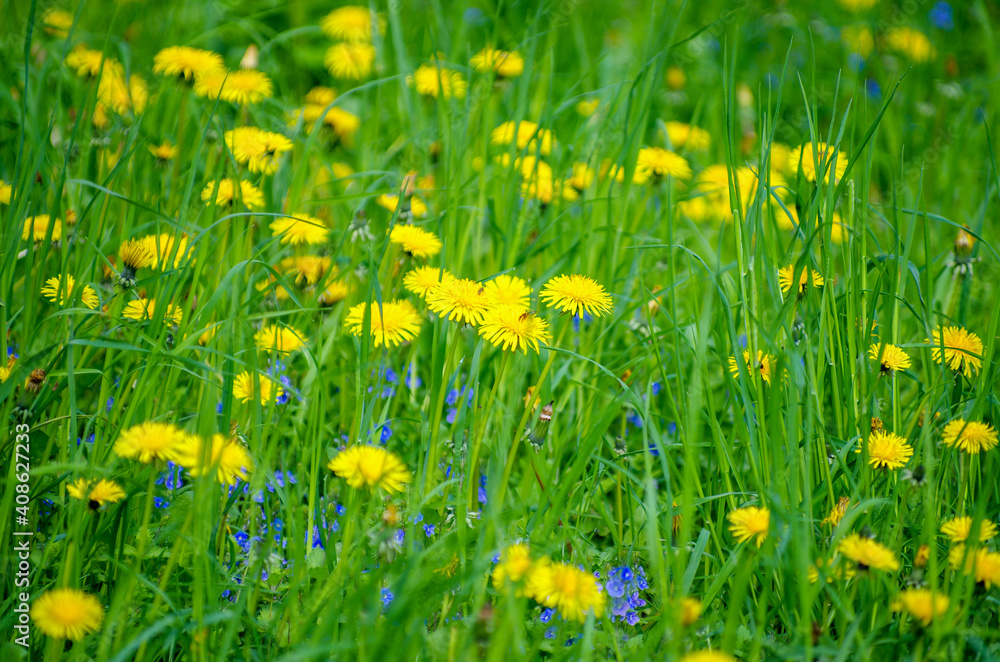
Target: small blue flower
(385,433)
(656,388)
(400,536)
(386,597)
(547,615)
(428,530)
(160,502)
(551,633)
(110,403)
(418,518)
(942,16)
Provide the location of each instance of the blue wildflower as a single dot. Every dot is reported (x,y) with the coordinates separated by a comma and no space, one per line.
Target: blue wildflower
(942,16)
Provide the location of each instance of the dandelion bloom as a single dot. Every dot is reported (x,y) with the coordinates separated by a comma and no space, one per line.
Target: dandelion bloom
(6,190)
(526,135)
(136,254)
(307,268)
(868,553)
(507,64)
(186,63)
(300,229)
(708,656)
(36,228)
(514,328)
(61,290)
(765,364)
(228,192)
(911,43)
(750,522)
(57,22)
(96,494)
(260,150)
(838,512)
(422,280)
(393,323)
(515,561)
(983,563)
(119,94)
(67,613)
(150,441)
(858,39)
(962,350)
(230,460)
(336,291)
(573,592)
(786,279)
(410,205)
(279,338)
(167,250)
(415,241)
(433,80)
(145,309)
(352,23)
(811,155)
(86,61)
(893,358)
(921,603)
(576,294)
(970,436)
(350,61)
(244,391)
(460,300)
(241,87)
(507,290)
(690,610)
(367,466)
(587,107)
(857,5)
(164,151)
(687,136)
(959,529)
(658,163)
(887,450)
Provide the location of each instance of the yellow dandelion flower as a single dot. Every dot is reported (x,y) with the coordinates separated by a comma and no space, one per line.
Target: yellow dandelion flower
(910,43)
(241,87)
(136,254)
(392,324)
(507,290)
(367,466)
(582,177)
(887,450)
(461,300)
(963,350)
(587,107)
(423,280)
(415,240)
(708,656)
(858,39)
(6,191)
(683,136)
(786,279)
(260,150)
(893,358)
(515,561)
(67,613)
(765,364)
(164,151)
(279,339)
(690,611)
(96,494)
(819,158)
(167,250)
(838,512)
(186,63)
(87,62)
(750,522)
(7,370)
(307,268)
(564,587)
(226,456)
(868,553)
(352,23)
(60,290)
(514,328)
(972,437)
(834,571)
(506,64)
(335,292)
(36,228)
(983,563)
(150,441)
(145,309)
(410,205)
(657,163)
(576,294)
(959,529)
(244,391)
(300,229)
(433,80)
(228,192)
(349,61)
(921,603)
(527,136)
(57,22)
(857,5)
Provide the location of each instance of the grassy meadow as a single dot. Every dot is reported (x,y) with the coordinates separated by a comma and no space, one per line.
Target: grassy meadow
(563,330)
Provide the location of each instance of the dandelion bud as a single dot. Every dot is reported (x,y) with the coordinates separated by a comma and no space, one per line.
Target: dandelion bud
(250,58)
(35,380)
(536,437)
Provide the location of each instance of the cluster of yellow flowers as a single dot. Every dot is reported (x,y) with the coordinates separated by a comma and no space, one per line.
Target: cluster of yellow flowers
(573,592)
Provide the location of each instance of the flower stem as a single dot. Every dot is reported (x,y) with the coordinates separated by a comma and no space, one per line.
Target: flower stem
(456,340)
(472,467)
